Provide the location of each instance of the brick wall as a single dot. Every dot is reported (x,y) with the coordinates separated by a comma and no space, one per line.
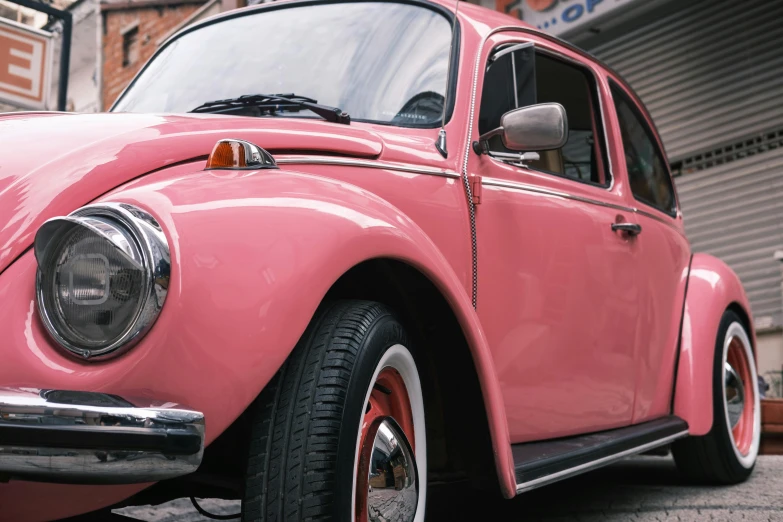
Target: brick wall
(153,23)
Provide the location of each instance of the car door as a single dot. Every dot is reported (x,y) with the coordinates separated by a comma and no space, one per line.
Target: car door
(664,254)
(557,286)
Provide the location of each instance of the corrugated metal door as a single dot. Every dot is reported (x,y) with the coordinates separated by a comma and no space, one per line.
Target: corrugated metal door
(735,212)
(711,74)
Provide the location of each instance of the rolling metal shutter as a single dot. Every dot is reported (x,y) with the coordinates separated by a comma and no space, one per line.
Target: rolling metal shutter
(711,75)
(734,211)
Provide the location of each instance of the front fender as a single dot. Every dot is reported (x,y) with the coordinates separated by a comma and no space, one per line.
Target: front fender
(254,256)
(712,288)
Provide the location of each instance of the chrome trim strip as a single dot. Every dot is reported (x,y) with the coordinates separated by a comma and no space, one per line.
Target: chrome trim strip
(372,164)
(88,437)
(582,468)
(493,182)
(670,222)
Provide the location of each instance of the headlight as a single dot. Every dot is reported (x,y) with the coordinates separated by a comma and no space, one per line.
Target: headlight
(103,274)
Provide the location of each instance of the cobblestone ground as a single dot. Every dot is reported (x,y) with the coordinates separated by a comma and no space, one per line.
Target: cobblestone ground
(640,490)
(392,506)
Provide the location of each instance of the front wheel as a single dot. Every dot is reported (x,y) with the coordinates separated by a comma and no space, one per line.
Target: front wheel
(727,454)
(339,433)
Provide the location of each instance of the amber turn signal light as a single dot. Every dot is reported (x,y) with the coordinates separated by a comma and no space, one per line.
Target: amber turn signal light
(233,154)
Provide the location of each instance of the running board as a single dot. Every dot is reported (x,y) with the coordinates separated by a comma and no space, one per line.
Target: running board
(540,463)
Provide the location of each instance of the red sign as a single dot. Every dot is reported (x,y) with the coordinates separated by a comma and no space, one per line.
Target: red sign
(24,65)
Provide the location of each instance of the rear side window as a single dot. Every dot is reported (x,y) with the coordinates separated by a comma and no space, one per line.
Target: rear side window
(647,171)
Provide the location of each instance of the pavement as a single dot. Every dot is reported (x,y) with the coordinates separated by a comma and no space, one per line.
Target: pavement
(643,489)
(389,505)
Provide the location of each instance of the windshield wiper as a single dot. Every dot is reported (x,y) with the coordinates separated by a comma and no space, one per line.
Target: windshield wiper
(275,103)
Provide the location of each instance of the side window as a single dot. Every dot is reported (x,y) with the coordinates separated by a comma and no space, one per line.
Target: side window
(647,172)
(525,77)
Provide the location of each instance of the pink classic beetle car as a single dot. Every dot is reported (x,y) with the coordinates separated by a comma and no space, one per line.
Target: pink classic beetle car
(321,254)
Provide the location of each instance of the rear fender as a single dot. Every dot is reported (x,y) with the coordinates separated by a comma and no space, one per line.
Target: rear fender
(712,289)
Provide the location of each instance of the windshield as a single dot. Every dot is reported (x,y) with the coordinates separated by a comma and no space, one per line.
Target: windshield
(378,61)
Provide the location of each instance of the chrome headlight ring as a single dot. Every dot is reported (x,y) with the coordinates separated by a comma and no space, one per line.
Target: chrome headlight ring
(106,267)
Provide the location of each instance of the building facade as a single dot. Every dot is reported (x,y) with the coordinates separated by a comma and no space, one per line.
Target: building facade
(111,41)
(132,31)
(84,76)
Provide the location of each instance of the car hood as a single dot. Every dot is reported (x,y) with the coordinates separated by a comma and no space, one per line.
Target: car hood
(53,163)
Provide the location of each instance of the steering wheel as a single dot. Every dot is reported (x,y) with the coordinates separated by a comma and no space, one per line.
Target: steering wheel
(574,164)
(424,108)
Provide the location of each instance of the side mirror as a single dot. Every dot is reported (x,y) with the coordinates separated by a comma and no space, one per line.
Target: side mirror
(532,128)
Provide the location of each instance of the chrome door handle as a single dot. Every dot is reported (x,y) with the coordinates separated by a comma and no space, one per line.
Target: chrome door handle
(632,229)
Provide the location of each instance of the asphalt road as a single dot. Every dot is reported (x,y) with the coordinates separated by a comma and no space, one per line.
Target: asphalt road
(644,489)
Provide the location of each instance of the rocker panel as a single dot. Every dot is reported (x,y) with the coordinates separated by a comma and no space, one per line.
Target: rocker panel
(540,463)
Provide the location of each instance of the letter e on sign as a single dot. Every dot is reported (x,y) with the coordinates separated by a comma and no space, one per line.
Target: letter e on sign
(24,65)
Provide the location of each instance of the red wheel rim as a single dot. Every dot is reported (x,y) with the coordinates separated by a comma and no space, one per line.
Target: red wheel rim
(742,433)
(388,398)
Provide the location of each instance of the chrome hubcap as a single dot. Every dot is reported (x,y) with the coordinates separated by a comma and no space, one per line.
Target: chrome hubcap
(393,492)
(735,394)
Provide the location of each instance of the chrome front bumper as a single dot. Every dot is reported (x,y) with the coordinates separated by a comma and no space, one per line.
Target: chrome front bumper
(95,438)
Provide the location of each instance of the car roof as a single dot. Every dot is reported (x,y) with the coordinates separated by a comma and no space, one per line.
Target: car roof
(487,18)
(482,20)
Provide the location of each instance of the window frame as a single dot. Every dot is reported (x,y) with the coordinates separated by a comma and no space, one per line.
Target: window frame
(616,89)
(598,109)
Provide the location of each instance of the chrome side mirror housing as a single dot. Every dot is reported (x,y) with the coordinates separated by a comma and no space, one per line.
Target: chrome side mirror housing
(529,129)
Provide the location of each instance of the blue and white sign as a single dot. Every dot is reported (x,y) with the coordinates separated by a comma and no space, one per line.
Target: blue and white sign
(559,16)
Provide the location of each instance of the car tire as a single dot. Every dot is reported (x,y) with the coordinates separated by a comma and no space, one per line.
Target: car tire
(348,393)
(727,454)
